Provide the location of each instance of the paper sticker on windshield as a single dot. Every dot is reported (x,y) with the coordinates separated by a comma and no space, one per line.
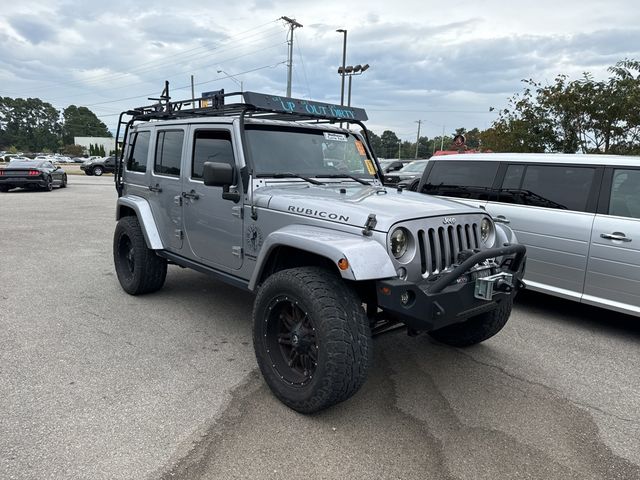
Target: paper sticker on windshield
(360,148)
(338,137)
(370,168)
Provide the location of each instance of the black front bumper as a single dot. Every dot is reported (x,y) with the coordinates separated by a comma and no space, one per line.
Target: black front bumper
(451,297)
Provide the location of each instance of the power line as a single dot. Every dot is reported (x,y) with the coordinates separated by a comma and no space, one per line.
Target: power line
(154,64)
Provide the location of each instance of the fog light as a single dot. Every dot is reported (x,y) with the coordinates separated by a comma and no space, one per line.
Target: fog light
(406,298)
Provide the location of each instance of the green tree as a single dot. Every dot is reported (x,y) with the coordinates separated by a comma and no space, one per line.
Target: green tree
(81,122)
(73,150)
(568,116)
(389,144)
(29,124)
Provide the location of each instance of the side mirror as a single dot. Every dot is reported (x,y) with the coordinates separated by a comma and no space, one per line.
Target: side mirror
(217,174)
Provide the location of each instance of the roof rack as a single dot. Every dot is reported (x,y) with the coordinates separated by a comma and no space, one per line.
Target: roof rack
(251,103)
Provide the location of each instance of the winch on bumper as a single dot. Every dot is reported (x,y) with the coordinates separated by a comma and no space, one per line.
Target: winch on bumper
(457,294)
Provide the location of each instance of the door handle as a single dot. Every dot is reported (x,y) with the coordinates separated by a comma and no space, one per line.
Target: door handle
(192,195)
(156,189)
(615,236)
(502,219)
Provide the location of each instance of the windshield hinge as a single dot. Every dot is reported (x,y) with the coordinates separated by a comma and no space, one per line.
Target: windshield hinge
(370,224)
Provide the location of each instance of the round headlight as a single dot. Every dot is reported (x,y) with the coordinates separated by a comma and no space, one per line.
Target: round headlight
(486,232)
(399,242)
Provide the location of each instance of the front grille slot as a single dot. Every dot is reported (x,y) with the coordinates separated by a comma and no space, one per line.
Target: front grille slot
(439,247)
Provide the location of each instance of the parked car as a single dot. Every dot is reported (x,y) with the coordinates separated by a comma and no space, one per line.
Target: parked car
(32,174)
(393,165)
(578,215)
(411,171)
(98,166)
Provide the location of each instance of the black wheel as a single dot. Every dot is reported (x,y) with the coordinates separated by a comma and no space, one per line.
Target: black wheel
(138,268)
(476,329)
(49,185)
(311,338)
(64,181)
(413,186)
(97,171)
(4,188)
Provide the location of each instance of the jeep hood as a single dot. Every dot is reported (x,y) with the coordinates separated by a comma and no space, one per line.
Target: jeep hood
(353,207)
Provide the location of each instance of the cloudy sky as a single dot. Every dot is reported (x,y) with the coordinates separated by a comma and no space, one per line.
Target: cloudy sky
(443,63)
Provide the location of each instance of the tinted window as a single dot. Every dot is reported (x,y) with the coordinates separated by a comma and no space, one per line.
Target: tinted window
(625,194)
(210,146)
(511,184)
(168,152)
(461,179)
(138,160)
(551,186)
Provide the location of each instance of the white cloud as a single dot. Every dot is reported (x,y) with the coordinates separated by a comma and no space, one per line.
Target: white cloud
(445,64)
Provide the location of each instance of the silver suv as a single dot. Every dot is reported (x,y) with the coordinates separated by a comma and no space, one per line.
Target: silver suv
(578,215)
(272,196)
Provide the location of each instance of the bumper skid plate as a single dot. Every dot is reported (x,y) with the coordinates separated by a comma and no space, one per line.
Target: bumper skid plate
(455,295)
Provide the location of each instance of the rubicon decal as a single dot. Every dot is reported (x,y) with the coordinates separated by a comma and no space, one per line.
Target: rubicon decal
(318,213)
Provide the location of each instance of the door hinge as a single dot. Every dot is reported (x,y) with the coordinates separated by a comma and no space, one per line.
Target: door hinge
(177,200)
(237,251)
(179,234)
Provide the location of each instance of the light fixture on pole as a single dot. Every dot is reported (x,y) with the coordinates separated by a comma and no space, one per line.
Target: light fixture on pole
(350,71)
(239,82)
(344,61)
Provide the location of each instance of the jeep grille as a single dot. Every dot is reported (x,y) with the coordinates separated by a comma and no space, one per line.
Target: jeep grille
(439,246)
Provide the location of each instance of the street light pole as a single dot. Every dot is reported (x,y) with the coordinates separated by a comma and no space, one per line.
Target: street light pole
(419,122)
(239,82)
(350,71)
(344,63)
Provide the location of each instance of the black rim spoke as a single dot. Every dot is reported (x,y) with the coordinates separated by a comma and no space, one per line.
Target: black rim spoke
(291,340)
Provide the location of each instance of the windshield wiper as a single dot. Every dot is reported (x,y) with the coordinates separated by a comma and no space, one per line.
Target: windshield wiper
(290,175)
(345,175)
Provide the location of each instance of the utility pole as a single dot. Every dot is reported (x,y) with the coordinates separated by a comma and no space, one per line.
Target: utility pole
(193,91)
(344,63)
(442,139)
(292,25)
(418,137)
(399,145)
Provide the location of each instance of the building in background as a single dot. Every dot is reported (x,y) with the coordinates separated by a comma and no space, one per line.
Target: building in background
(108,143)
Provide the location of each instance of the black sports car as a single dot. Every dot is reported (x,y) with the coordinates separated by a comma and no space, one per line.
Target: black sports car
(32,174)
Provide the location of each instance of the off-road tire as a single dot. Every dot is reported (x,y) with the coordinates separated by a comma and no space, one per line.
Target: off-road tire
(476,329)
(138,267)
(340,330)
(64,181)
(97,171)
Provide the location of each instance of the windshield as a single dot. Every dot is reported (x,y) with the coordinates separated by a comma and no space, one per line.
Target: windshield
(24,164)
(308,152)
(413,167)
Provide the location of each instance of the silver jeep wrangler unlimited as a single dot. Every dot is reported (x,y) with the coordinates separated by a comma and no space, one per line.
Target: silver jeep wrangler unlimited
(272,195)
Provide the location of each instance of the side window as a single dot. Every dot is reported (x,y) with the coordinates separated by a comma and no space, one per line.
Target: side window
(137,161)
(463,179)
(511,184)
(210,146)
(564,187)
(625,194)
(168,152)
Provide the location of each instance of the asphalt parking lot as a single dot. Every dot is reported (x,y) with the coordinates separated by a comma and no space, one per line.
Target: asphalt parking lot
(96,384)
